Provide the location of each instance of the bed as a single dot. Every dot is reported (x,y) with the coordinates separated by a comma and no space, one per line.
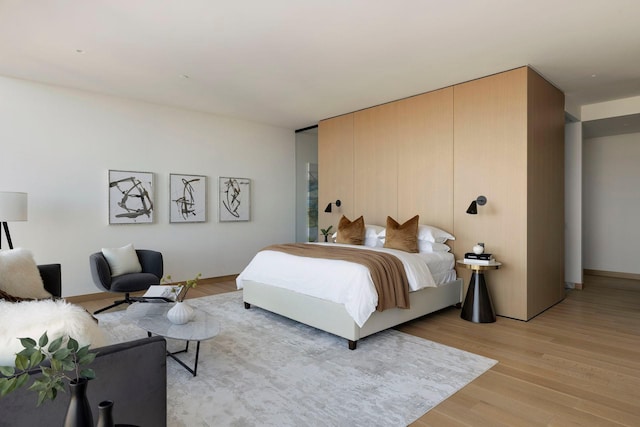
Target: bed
(334,295)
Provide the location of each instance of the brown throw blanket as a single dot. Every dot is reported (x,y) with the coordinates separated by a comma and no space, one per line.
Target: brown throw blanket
(387,271)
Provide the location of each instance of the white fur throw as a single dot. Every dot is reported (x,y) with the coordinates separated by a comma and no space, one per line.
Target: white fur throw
(19,275)
(30,319)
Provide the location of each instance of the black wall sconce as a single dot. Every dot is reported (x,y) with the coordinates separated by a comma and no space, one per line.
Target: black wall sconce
(473,207)
(337,203)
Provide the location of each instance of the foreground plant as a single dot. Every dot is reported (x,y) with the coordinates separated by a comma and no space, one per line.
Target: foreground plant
(62,356)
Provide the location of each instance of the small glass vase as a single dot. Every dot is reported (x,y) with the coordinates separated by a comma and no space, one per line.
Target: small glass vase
(180,313)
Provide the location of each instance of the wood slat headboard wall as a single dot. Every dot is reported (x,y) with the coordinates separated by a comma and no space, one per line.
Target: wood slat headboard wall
(500,136)
(395,159)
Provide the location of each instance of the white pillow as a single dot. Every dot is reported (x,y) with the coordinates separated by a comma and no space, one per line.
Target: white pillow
(426,232)
(433,234)
(19,275)
(371,230)
(373,242)
(122,260)
(426,246)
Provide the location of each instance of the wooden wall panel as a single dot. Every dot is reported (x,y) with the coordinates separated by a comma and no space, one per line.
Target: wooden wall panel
(425,158)
(490,157)
(335,168)
(545,192)
(375,163)
(500,136)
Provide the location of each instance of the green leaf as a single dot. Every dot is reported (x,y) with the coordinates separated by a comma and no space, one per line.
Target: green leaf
(87,358)
(7,385)
(44,339)
(22,379)
(22,362)
(88,373)
(39,384)
(28,351)
(36,358)
(55,345)
(61,354)
(56,366)
(46,372)
(27,342)
(72,345)
(68,365)
(7,371)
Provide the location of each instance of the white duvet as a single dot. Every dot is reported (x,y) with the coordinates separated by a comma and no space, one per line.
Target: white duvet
(344,282)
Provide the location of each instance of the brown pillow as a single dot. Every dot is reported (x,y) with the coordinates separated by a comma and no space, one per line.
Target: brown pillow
(403,237)
(351,232)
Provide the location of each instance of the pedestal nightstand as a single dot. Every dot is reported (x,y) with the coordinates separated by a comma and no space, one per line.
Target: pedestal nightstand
(477,305)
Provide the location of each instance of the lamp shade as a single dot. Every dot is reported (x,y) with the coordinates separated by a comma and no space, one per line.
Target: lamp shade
(13,206)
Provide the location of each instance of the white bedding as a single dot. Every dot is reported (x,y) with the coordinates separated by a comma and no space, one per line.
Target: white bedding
(344,282)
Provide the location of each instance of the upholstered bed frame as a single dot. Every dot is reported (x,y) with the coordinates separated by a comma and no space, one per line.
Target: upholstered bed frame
(333,318)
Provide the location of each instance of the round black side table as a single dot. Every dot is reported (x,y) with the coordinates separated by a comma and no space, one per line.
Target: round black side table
(477,306)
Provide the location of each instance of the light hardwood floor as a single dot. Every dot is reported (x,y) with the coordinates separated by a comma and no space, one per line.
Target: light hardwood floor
(577,363)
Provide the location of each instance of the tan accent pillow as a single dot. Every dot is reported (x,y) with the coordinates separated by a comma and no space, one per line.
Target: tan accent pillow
(351,232)
(403,237)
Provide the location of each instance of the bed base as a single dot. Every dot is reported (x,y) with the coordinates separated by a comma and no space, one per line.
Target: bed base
(333,318)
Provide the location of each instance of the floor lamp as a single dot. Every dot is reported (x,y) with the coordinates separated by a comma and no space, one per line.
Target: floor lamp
(13,207)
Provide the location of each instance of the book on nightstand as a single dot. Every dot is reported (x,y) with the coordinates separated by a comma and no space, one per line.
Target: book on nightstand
(478,259)
(471,255)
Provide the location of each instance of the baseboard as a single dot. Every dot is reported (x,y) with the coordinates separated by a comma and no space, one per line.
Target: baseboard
(615,274)
(76,299)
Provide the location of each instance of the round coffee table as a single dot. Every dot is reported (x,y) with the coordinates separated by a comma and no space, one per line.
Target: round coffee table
(152,317)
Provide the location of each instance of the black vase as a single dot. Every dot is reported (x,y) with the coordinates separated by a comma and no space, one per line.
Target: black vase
(105,414)
(79,412)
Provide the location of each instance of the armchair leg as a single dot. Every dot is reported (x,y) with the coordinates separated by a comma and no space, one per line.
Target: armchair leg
(127,300)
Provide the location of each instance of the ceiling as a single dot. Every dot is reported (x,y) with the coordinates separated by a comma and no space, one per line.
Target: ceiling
(290,63)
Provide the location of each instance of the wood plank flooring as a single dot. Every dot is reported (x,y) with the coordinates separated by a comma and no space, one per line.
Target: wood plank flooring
(577,363)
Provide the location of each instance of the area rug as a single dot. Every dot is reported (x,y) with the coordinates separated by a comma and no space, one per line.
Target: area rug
(266,370)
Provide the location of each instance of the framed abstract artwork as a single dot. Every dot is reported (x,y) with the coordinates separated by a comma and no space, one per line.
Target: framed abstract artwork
(130,197)
(234,199)
(188,201)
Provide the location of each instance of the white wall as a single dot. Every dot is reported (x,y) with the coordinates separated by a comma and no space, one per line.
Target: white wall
(58,145)
(611,201)
(573,202)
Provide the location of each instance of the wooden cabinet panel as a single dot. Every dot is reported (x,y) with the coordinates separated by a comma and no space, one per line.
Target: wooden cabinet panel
(425,158)
(545,193)
(335,168)
(375,163)
(490,159)
(501,137)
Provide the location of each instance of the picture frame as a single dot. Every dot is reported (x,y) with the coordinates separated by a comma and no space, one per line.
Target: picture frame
(234,197)
(187,198)
(131,197)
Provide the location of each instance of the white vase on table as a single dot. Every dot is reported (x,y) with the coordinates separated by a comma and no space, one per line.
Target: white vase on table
(478,249)
(180,313)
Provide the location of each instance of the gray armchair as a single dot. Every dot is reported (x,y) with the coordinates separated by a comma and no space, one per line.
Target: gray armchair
(152,270)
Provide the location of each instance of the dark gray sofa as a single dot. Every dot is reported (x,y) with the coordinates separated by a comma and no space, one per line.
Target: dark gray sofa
(132,374)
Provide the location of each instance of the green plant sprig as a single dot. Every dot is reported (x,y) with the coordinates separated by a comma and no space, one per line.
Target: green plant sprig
(62,357)
(326,231)
(188,284)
